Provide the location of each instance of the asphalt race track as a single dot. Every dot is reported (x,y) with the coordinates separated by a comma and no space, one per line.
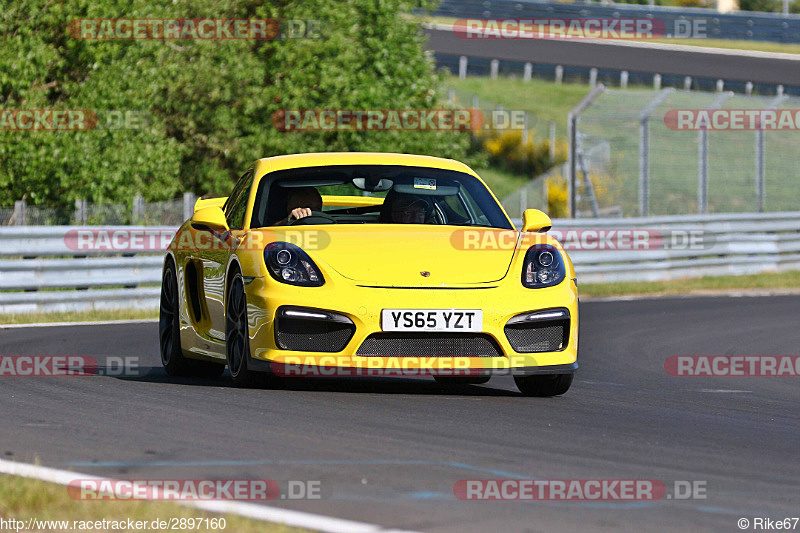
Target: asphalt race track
(734,65)
(388,451)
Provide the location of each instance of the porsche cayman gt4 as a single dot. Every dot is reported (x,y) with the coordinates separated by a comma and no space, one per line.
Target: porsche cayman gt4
(368,264)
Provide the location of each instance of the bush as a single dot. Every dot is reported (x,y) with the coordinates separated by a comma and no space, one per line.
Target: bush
(507,151)
(557,198)
(760,5)
(209,102)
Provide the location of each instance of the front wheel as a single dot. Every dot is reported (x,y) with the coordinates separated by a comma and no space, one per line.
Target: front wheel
(544,385)
(237,337)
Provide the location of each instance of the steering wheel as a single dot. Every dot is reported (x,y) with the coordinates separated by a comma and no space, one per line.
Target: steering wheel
(317,217)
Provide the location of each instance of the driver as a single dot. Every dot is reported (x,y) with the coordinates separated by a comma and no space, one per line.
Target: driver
(300,203)
(410,209)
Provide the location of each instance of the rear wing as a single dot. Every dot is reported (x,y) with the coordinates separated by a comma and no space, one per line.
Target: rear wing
(209,202)
(333,201)
(351,201)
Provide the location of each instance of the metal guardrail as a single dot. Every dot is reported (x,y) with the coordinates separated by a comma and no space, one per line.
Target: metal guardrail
(755,26)
(728,244)
(55,277)
(42,269)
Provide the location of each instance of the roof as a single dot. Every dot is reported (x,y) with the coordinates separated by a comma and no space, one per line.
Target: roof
(282,162)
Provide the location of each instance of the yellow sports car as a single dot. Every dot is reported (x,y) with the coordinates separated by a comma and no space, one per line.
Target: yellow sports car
(355,264)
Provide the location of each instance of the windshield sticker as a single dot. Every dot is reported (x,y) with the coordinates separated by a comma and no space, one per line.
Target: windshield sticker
(425,183)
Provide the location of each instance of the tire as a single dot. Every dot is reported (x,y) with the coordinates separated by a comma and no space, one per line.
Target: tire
(544,385)
(237,336)
(169,324)
(169,337)
(461,380)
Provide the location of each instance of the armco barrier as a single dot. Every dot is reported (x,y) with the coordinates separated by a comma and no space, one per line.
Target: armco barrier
(40,272)
(746,25)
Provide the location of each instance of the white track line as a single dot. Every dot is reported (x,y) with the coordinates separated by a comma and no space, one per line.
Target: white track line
(89,323)
(248,510)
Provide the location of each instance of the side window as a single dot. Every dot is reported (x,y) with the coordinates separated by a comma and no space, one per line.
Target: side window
(236,205)
(454,202)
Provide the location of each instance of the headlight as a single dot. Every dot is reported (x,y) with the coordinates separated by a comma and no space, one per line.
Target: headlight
(287,263)
(543,267)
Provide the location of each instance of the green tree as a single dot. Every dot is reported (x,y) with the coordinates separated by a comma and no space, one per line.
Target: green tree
(209,102)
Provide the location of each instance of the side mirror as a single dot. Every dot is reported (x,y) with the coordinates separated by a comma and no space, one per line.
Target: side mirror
(536,221)
(212,218)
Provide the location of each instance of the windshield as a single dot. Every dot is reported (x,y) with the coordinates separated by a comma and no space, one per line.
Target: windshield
(375,194)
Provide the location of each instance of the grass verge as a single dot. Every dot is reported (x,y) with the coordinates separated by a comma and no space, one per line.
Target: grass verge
(23,499)
(755,282)
(85,316)
(501,182)
(545,99)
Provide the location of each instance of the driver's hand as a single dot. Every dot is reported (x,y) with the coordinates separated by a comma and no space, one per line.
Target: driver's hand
(300,212)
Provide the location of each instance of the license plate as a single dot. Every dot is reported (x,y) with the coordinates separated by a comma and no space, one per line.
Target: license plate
(451,320)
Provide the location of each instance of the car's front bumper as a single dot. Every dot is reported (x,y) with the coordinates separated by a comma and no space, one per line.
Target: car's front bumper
(500,302)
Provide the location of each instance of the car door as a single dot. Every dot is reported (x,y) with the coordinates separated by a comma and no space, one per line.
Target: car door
(215,260)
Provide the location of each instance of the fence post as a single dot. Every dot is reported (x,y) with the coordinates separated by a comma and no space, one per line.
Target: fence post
(748,88)
(138,208)
(525,128)
(760,188)
(462,67)
(20,213)
(494,67)
(687,83)
(702,163)
(559,74)
(528,72)
(644,166)
(623,79)
(188,205)
(80,212)
(572,137)
(523,200)
(552,142)
(657,82)
(592,77)
(761,152)
(644,150)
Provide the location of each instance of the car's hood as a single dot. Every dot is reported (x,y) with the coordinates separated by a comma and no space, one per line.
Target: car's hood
(414,255)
